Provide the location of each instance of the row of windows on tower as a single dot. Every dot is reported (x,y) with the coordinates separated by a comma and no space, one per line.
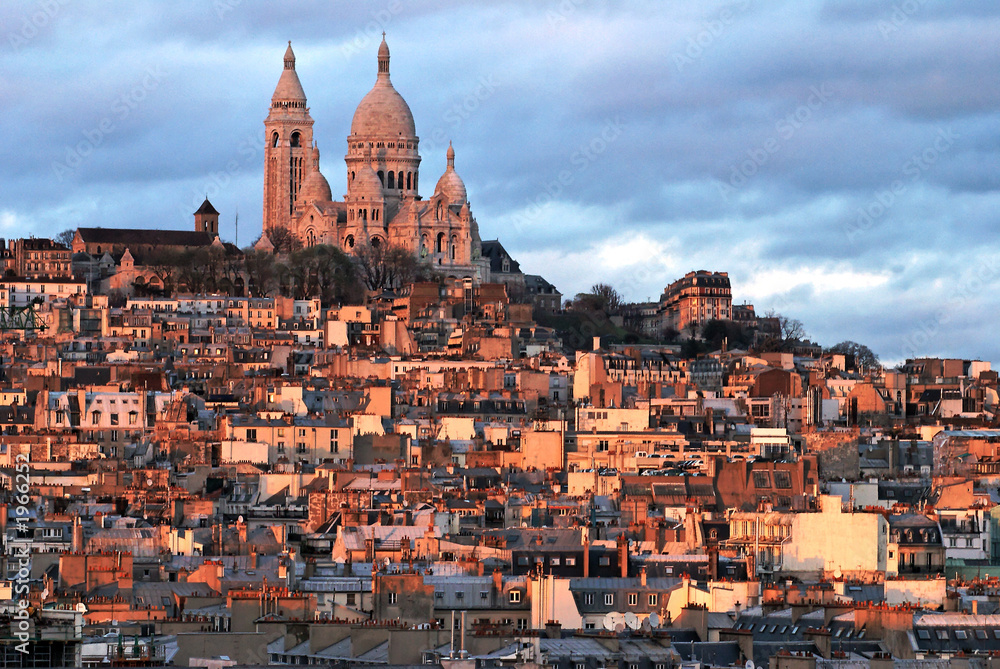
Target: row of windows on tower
(383,145)
(394,180)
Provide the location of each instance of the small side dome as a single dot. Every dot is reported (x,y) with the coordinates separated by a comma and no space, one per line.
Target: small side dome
(315,187)
(366,182)
(450,184)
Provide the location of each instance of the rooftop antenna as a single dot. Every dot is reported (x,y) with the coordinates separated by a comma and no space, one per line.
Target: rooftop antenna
(237,240)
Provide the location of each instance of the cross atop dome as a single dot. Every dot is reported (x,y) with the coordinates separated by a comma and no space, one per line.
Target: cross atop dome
(289,57)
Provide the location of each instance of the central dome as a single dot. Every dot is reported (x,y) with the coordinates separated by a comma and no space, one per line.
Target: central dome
(383,112)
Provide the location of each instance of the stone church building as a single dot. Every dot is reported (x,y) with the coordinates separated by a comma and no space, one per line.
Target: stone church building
(382,204)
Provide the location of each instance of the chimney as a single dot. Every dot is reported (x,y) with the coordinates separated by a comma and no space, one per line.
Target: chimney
(553,630)
(642,576)
(820,637)
(253,558)
(623,555)
(77,540)
(497,581)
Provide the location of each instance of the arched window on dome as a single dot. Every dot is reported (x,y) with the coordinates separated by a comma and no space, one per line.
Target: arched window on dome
(439,210)
(392,180)
(364,214)
(374,214)
(352,176)
(408,175)
(310,238)
(381,177)
(274,139)
(350,214)
(349,241)
(296,139)
(454,246)
(439,247)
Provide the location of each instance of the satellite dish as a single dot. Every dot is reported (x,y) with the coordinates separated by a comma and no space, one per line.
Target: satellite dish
(386,562)
(631,621)
(646,625)
(240,519)
(149,482)
(750,665)
(654,620)
(45,593)
(619,628)
(81,607)
(609,622)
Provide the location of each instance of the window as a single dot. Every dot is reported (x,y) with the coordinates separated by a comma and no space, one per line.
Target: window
(515,596)
(605,561)
(484,595)
(351,599)
(114,419)
(653,599)
(554,562)
(252,434)
(588,598)
(438,594)
(633,599)
(571,562)
(459,595)
(609,599)
(981,635)
(942,635)
(961,635)
(393,597)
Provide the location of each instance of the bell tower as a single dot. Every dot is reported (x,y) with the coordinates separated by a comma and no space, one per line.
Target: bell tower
(288,137)
(206,219)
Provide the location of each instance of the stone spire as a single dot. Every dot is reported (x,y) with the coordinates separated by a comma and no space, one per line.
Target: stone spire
(289,57)
(383,59)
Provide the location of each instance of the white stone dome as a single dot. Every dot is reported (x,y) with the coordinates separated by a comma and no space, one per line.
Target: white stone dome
(450,184)
(383,112)
(315,187)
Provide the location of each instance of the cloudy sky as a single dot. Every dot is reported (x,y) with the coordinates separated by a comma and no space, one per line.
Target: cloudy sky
(839,159)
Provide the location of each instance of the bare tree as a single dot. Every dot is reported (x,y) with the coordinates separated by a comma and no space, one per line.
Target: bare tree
(864,358)
(384,266)
(611,298)
(283,239)
(65,238)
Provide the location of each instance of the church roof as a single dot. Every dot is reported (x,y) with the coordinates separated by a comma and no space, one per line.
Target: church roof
(206,208)
(141,238)
(383,112)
